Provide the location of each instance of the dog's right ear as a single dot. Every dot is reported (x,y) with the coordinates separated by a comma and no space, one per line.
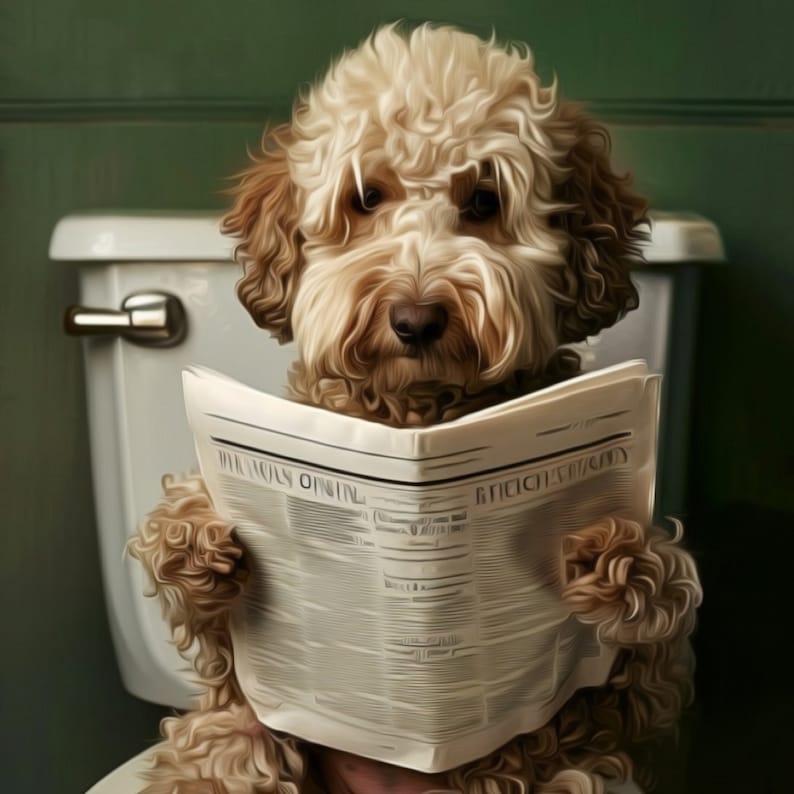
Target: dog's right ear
(264,216)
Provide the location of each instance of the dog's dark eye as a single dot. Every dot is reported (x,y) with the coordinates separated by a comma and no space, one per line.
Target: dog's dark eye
(368,200)
(482,205)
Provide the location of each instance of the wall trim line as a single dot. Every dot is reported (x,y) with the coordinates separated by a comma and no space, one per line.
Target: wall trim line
(156,109)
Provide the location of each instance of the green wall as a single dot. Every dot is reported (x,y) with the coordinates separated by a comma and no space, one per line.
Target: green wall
(151,104)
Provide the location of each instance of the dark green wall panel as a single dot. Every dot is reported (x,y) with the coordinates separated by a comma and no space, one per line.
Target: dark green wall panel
(261,49)
(739,177)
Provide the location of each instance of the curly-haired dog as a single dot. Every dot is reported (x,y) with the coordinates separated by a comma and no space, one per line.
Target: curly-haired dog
(430,227)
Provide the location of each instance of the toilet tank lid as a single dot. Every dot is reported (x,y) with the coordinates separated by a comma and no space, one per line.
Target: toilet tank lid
(196,236)
(143,236)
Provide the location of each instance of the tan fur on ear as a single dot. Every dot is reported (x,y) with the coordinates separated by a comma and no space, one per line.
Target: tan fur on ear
(264,217)
(604,222)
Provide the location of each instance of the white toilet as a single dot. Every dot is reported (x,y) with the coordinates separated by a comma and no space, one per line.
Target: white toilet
(157,293)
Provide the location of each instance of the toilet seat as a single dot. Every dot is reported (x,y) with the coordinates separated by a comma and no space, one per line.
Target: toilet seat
(125,779)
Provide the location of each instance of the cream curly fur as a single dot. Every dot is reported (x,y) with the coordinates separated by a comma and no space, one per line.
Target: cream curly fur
(424,120)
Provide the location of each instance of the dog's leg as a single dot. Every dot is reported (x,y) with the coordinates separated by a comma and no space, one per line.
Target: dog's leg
(224,750)
(195,567)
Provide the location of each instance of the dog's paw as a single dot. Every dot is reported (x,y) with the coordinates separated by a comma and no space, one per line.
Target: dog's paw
(206,540)
(193,561)
(635,585)
(184,537)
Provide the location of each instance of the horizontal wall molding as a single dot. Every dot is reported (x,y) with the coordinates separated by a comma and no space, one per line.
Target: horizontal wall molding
(694,111)
(622,111)
(157,109)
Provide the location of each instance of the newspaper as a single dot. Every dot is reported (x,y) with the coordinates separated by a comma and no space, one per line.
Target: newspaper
(404,599)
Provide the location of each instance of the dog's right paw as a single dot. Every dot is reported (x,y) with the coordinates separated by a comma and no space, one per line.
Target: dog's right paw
(192,557)
(204,540)
(183,536)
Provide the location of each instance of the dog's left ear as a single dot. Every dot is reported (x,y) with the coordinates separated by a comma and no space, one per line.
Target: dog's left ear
(604,222)
(264,217)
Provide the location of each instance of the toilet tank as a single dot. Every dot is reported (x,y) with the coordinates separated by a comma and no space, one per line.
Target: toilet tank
(138,430)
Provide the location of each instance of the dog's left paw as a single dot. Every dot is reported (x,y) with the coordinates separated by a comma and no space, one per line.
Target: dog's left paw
(636,584)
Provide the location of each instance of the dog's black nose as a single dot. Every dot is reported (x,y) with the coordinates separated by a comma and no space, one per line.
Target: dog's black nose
(418,323)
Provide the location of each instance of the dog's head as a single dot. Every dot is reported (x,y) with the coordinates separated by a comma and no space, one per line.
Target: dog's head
(432,221)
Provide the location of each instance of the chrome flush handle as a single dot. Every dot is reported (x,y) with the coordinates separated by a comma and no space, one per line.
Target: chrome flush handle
(156,319)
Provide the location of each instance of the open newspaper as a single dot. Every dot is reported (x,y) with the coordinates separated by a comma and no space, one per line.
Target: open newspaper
(404,600)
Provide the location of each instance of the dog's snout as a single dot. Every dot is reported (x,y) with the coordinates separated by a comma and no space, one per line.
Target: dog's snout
(418,323)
